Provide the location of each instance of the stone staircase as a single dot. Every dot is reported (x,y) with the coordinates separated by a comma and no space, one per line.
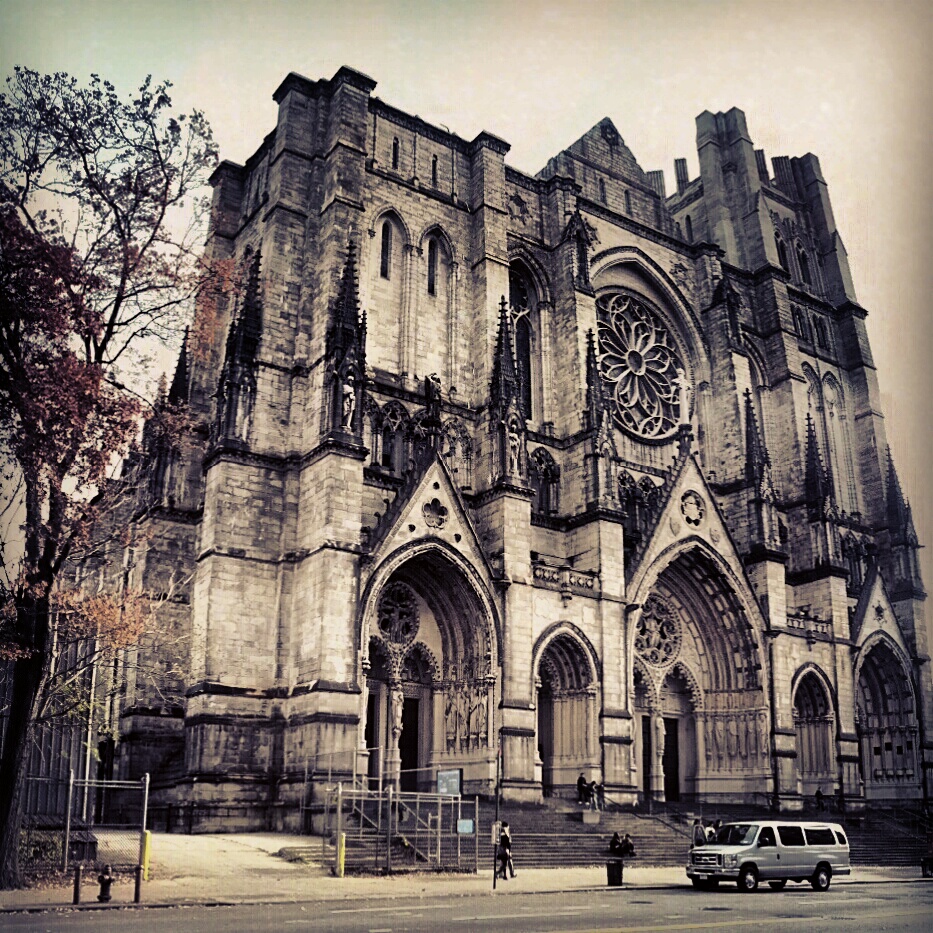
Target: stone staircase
(553,835)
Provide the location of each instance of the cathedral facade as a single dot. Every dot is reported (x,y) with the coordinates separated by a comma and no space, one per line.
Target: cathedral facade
(528,474)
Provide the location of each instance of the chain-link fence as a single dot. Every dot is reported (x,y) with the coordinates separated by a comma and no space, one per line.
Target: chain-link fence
(96,823)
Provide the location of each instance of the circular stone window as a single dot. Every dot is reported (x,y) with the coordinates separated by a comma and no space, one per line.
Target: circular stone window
(398,614)
(657,637)
(640,364)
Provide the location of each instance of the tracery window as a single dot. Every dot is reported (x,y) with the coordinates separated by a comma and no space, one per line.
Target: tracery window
(544,478)
(641,365)
(520,302)
(782,252)
(432,265)
(398,614)
(385,260)
(804,264)
(657,634)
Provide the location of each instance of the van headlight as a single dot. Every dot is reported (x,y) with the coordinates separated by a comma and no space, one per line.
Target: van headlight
(730,861)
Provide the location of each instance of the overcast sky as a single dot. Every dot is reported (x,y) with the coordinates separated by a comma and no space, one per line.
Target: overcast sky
(847,80)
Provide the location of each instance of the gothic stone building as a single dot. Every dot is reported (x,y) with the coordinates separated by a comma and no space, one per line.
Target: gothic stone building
(557,464)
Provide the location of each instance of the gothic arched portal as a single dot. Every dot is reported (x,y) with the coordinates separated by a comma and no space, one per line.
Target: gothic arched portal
(566,703)
(430,674)
(813,723)
(887,725)
(700,707)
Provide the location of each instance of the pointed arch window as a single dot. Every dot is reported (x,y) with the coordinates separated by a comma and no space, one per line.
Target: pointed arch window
(385,260)
(628,202)
(434,171)
(782,252)
(395,152)
(544,477)
(804,264)
(432,265)
(602,190)
(688,226)
(819,326)
(800,324)
(520,301)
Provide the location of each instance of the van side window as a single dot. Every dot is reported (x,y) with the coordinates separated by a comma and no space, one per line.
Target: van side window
(791,835)
(841,837)
(766,837)
(820,836)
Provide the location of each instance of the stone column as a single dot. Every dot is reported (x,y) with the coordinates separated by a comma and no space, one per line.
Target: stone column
(396,702)
(657,756)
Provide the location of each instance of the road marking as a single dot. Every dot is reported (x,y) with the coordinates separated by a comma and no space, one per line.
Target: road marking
(376,910)
(722,924)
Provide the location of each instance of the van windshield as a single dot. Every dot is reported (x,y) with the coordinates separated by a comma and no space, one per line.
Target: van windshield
(737,834)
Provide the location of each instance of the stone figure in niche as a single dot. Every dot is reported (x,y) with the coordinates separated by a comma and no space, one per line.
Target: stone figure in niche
(481,718)
(659,736)
(348,401)
(682,384)
(514,447)
(763,733)
(733,742)
(432,394)
(719,730)
(398,703)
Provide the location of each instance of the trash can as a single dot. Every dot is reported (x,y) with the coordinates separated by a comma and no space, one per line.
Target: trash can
(614,873)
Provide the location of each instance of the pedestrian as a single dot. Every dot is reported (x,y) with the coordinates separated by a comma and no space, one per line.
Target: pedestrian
(628,846)
(505,851)
(592,799)
(615,845)
(601,796)
(581,788)
(713,830)
(819,799)
(699,833)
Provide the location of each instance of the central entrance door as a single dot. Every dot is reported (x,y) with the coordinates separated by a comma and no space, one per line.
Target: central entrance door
(671,761)
(408,745)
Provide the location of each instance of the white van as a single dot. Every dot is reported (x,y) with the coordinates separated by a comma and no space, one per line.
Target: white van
(776,851)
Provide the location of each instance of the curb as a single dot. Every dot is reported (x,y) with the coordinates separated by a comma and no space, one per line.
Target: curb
(249,902)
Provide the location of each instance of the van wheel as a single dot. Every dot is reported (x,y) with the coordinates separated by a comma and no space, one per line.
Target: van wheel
(748,879)
(821,877)
(777,885)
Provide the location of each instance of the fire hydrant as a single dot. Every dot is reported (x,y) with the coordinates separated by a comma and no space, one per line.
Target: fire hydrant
(105,880)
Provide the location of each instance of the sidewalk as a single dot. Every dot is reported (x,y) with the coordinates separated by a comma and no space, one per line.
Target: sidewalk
(245,869)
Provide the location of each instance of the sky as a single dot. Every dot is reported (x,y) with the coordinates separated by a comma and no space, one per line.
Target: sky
(845,79)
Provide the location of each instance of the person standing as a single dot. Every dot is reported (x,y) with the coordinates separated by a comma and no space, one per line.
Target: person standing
(581,788)
(505,852)
(699,833)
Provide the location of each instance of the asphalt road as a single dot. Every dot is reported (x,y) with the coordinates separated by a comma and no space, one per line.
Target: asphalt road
(895,908)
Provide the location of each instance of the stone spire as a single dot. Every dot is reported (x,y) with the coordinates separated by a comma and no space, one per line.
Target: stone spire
(757,461)
(504,387)
(178,392)
(818,485)
(595,403)
(237,392)
(346,352)
(899,513)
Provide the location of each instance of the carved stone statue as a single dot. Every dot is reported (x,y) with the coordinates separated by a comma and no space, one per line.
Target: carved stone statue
(514,451)
(682,384)
(348,401)
(659,735)
(398,703)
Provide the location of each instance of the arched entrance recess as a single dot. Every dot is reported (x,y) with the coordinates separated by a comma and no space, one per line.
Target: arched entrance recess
(887,724)
(430,660)
(702,725)
(567,707)
(814,724)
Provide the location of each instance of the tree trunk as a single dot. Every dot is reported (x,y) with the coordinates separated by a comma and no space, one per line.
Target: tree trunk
(27,679)
(29,674)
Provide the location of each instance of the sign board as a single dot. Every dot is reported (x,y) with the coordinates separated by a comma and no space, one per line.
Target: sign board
(464,827)
(450,782)
(496,831)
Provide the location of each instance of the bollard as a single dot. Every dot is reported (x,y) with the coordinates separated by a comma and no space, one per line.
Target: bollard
(137,889)
(106,881)
(76,895)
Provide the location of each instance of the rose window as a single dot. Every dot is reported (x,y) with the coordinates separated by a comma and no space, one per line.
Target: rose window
(640,364)
(657,637)
(398,614)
